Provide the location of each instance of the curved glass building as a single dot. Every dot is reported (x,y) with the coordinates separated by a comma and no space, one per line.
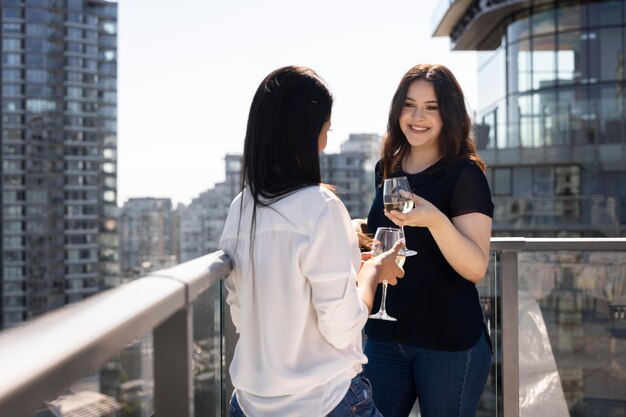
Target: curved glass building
(550,118)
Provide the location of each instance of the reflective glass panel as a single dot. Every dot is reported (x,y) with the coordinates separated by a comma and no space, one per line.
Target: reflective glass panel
(571,58)
(520,66)
(526,120)
(569,16)
(544,61)
(606,102)
(520,28)
(572,115)
(543,22)
(544,127)
(604,13)
(607,55)
(513,123)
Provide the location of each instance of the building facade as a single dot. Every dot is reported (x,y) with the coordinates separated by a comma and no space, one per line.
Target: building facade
(201,222)
(351,172)
(550,120)
(59,141)
(146,235)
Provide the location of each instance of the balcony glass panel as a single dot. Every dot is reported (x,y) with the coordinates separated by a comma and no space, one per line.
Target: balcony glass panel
(209,386)
(489,290)
(123,387)
(573,321)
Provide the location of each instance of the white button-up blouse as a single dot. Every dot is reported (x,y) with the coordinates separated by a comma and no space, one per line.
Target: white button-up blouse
(294,303)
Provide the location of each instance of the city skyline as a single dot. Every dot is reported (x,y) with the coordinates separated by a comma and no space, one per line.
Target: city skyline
(187,73)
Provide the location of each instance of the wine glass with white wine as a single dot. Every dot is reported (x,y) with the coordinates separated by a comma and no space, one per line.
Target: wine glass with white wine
(384,240)
(397,196)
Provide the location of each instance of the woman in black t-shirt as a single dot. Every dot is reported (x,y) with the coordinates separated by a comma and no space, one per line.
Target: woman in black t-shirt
(438,351)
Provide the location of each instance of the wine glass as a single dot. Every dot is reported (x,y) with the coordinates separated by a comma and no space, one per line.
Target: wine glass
(397,196)
(384,240)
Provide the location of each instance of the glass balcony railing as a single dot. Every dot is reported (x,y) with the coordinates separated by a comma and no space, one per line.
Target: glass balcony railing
(161,344)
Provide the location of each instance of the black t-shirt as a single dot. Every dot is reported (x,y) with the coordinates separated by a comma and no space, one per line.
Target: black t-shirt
(436,308)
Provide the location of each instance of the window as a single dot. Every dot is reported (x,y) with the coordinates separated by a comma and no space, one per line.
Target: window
(11,13)
(567,180)
(109,27)
(13,134)
(543,181)
(520,68)
(12,59)
(10,90)
(12,242)
(12,105)
(10,27)
(109,196)
(11,44)
(502,181)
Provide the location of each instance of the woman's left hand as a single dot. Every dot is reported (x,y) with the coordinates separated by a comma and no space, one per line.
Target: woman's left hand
(424,214)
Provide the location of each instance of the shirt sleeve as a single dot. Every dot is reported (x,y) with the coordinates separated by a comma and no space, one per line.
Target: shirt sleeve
(232,299)
(330,264)
(471,192)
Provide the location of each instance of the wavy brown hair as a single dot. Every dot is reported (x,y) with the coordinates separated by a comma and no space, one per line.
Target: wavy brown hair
(456,139)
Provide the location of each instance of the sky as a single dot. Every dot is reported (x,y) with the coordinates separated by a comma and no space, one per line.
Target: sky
(187,71)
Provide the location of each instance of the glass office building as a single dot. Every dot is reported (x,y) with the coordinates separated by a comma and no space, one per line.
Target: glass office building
(59,113)
(550,117)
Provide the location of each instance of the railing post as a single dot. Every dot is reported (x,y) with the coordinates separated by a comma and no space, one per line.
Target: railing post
(173,366)
(510,340)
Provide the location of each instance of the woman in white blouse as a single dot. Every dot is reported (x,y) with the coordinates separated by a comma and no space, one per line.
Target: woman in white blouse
(298,295)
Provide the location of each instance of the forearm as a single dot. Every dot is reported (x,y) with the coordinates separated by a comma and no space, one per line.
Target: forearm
(367,281)
(467,253)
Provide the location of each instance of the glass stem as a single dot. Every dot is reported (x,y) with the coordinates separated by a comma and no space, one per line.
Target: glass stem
(383,300)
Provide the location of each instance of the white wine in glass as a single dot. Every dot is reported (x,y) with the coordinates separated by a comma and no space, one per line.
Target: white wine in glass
(397,196)
(384,240)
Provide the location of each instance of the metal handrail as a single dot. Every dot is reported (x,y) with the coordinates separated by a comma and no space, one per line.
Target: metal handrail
(47,354)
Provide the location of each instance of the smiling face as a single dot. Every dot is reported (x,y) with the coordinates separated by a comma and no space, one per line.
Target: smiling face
(419,119)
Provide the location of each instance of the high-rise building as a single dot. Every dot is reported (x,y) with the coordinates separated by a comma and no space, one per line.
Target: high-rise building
(551,111)
(351,171)
(201,223)
(59,140)
(146,235)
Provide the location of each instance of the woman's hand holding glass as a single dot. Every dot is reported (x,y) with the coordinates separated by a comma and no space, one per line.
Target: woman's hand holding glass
(423,214)
(386,238)
(397,196)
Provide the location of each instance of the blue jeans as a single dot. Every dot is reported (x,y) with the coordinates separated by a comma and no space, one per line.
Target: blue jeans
(356,403)
(446,383)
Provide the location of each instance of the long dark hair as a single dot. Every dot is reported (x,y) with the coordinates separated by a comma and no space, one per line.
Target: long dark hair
(455,141)
(281,153)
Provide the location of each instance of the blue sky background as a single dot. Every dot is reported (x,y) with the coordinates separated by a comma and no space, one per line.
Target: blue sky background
(188,70)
